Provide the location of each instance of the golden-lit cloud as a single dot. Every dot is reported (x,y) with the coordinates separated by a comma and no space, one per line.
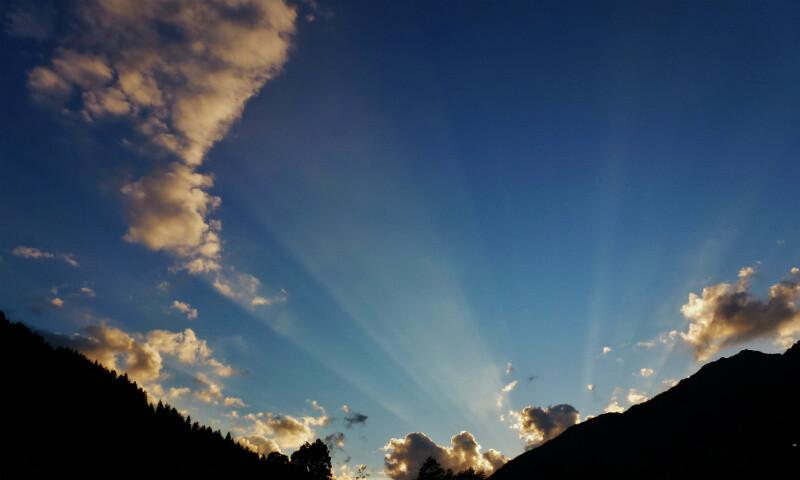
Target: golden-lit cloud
(614,407)
(728,314)
(286,431)
(405,456)
(537,425)
(185,308)
(233,402)
(142,357)
(635,396)
(168,210)
(117,350)
(261,445)
(181,92)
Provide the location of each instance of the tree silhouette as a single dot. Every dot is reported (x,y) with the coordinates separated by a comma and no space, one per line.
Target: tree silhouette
(313,459)
(63,416)
(431,470)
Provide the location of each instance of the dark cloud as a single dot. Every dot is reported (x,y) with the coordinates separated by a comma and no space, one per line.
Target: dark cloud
(355,418)
(334,441)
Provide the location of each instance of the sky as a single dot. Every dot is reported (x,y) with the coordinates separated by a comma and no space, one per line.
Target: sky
(411,228)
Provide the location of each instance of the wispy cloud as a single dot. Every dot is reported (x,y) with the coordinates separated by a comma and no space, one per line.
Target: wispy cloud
(38,254)
(185,308)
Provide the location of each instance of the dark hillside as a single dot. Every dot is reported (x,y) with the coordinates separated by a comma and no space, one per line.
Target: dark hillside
(63,416)
(736,416)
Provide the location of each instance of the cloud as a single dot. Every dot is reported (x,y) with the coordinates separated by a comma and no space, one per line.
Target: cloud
(243,288)
(212,389)
(405,456)
(37,254)
(666,338)
(590,387)
(57,302)
(729,314)
(355,418)
(116,350)
(537,425)
(142,356)
(507,388)
(261,445)
(168,211)
(606,350)
(634,396)
(646,372)
(89,292)
(181,72)
(185,346)
(334,441)
(233,402)
(614,407)
(185,308)
(509,368)
(178,392)
(287,431)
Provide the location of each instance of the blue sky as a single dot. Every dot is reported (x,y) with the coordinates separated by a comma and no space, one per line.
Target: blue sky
(425,192)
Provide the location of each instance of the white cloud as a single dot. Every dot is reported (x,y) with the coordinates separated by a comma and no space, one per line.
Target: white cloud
(38,254)
(405,456)
(646,372)
(185,308)
(509,368)
(606,350)
(590,387)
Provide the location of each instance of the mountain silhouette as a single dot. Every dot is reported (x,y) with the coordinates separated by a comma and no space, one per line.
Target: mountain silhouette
(736,417)
(63,416)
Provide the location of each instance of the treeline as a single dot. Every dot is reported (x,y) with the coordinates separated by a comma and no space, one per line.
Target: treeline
(432,470)
(64,416)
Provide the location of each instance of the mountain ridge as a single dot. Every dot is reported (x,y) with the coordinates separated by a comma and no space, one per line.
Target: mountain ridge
(736,415)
